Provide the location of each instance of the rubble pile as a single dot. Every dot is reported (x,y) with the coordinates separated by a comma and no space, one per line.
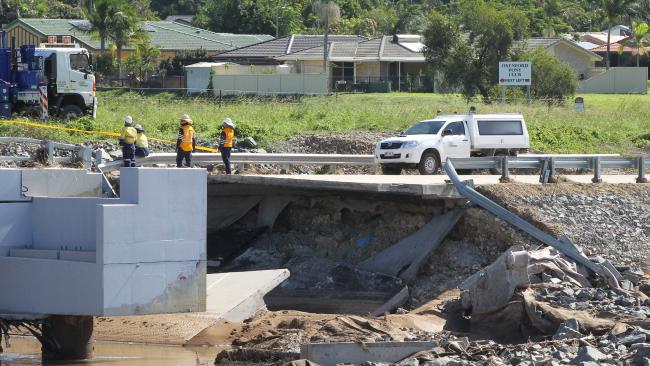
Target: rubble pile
(584,350)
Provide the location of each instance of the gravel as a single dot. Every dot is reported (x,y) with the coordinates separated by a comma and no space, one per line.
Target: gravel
(612,221)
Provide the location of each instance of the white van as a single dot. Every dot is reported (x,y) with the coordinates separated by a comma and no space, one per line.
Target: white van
(426,144)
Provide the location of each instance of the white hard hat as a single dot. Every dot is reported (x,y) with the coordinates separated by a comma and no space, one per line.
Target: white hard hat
(228,122)
(128,120)
(186,117)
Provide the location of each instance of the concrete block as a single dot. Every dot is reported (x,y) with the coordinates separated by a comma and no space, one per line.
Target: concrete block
(143,253)
(331,354)
(77,256)
(34,253)
(61,183)
(15,225)
(237,296)
(404,258)
(11,185)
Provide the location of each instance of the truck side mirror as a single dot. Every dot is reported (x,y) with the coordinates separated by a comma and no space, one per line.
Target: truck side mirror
(447,132)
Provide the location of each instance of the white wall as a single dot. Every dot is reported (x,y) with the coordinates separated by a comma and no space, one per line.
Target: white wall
(617,80)
(579,61)
(270,84)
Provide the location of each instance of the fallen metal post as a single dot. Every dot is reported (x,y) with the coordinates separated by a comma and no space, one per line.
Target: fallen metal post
(597,178)
(564,245)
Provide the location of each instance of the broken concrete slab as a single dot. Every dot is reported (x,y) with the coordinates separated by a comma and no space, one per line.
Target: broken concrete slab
(225,211)
(237,296)
(404,259)
(331,354)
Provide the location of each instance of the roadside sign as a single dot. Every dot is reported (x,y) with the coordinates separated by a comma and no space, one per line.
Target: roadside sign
(514,73)
(579,104)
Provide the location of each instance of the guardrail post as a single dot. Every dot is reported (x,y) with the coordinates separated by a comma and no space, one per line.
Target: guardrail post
(596,165)
(332,169)
(240,167)
(505,174)
(284,168)
(97,154)
(641,178)
(86,157)
(49,148)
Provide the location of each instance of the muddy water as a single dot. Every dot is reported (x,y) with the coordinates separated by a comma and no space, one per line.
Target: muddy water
(27,351)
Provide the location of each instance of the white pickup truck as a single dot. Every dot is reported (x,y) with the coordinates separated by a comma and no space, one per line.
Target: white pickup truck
(426,144)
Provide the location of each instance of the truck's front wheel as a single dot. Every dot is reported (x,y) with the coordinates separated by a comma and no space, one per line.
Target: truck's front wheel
(428,164)
(390,170)
(71,111)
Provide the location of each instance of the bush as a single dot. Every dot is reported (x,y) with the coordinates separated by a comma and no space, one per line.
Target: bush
(553,80)
(106,65)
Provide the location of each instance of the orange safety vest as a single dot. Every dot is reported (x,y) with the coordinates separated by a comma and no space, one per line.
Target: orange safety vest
(186,136)
(227,136)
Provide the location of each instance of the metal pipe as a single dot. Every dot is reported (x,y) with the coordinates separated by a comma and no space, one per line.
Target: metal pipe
(505,174)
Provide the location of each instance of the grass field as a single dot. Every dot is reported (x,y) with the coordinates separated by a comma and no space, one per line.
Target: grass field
(611,123)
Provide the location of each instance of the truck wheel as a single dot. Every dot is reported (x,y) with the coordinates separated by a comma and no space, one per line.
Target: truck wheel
(428,164)
(71,111)
(390,170)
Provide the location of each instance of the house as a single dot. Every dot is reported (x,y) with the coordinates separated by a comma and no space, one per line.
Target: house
(583,61)
(600,38)
(619,30)
(171,37)
(396,59)
(267,52)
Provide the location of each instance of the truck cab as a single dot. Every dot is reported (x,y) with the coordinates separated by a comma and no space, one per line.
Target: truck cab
(71,83)
(426,144)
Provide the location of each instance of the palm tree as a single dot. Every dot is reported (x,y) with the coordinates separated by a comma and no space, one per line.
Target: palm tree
(639,32)
(614,10)
(99,17)
(123,28)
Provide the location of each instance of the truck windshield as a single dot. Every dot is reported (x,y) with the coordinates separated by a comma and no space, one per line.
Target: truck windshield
(425,128)
(79,61)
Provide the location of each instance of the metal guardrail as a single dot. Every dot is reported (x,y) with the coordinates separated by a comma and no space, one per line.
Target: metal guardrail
(547,164)
(562,244)
(80,153)
(252,158)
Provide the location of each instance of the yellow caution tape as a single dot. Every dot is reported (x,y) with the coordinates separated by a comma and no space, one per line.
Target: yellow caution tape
(93,132)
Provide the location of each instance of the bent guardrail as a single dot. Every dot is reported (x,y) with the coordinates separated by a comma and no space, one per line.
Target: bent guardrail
(562,244)
(80,153)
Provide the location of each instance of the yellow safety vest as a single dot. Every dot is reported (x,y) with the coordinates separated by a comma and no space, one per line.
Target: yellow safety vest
(128,135)
(141,141)
(187,136)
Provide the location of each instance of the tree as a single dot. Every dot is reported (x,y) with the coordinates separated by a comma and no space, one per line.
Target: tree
(123,27)
(328,13)
(100,18)
(614,10)
(143,61)
(639,32)
(471,62)
(552,79)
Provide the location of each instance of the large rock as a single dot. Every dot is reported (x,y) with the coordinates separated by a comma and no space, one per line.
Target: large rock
(588,353)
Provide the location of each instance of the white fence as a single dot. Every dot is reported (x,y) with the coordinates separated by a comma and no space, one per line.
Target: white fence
(617,80)
(271,84)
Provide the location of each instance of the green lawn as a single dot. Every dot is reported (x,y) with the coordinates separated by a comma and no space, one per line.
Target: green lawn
(611,123)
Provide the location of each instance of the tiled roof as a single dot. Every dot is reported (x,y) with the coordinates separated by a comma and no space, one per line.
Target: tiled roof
(378,49)
(545,42)
(616,47)
(285,45)
(166,35)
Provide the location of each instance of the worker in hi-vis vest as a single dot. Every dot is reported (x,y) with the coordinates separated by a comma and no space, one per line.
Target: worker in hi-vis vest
(127,141)
(226,141)
(141,143)
(186,142)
